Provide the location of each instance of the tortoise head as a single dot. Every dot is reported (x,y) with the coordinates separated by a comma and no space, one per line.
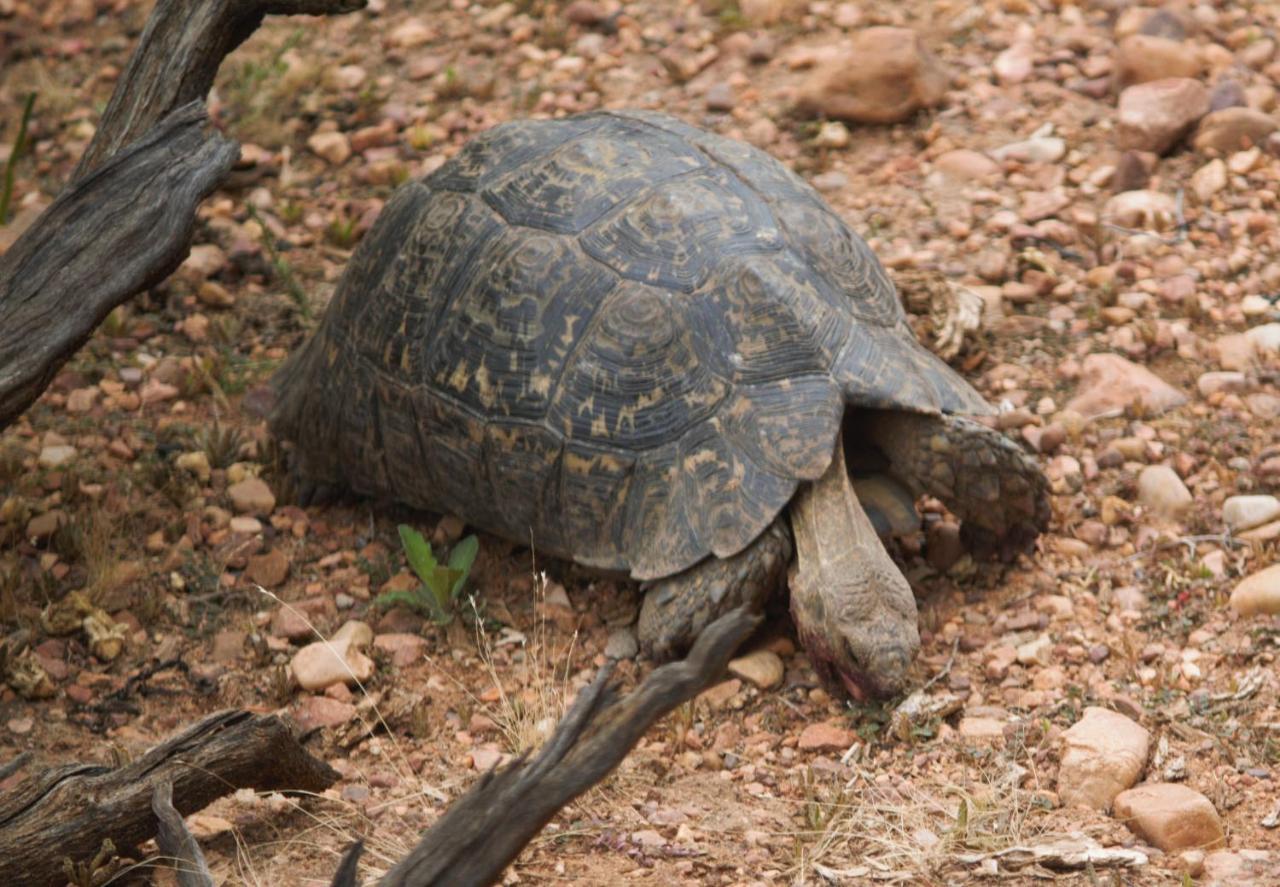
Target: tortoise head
(859,630)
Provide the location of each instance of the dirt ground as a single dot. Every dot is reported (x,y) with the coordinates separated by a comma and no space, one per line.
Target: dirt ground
(1116,607)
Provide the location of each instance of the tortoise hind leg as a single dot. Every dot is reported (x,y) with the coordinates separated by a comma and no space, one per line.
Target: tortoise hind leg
(996,489)
(678,608)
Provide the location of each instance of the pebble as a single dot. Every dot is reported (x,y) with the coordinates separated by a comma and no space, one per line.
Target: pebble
(269,570)
(252,496)
(42,526)
(1247,512)
(404,649)
(1170,816)
(1041,149)
(977,729)
(832,134)
(826,737)
(1258,593)
(195,462)
(1109,383)
(245,525)
(895,77)
(1103,754)
(1211,383)
(337,661)
(1015,64)
(321,711)
(1209,179)
(760,667)
(333,146)
(1240,868)
(56,455)
(1141,58)
(1141,209)
(1155,116)
(410,33)
(1265,338)
(1233,129)
(1162,492)
(720,98)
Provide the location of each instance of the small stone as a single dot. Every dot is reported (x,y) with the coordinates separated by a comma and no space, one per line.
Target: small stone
(205,260)
(832,134)
(1211,383)
(268,570)
(826,737)
(1233,129)
(943,547)
(154,391)
(56,456)
(333,146)
(585,12)
(1247,512)
(965,165)
(1209,179)
(981,730)
(769,12)
(720,98)
(761,667)
(312,712)
(1170,816)
(1109,383)
(621,644)
(486,757)
(721,694)
(245,525)
(1142,58)
(1265,338)
(1258,593)
(1015,64)
(410,33)
(1162,492)
(1240,868)
(42,526)
(324,663)
(895,77)
(404,649)
(1103,754)
(1155,116)
(1036,651)
(81,400)
(252,496)
(1145,210)
(228,646)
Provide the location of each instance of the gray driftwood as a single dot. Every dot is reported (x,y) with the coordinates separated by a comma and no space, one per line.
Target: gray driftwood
(124,223)
(66,812)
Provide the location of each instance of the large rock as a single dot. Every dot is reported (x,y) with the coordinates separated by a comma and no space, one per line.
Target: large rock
(1233,129)
(1162,492)
(252,496)
(1259,593)
(1247,512)
(1170,816)
(1155,116)
(335,661)
(1142,58)
(1109,383)
(894,77)
(1103,754)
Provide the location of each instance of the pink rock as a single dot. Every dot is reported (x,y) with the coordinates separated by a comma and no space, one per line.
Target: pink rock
(1172,817)
(895,76)
(1109,383)
(1103,754)
(320,711)
(404,649)
(1155,116)
(826,737)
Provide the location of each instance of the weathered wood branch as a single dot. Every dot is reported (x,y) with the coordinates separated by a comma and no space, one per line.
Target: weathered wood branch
(122,228)
(476,838)
(67,811)
(177,845)
(124,222)
(177,59)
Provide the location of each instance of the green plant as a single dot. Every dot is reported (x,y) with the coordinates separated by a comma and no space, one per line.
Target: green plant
(441,586)
(19,145)
(342,232)
(281,266)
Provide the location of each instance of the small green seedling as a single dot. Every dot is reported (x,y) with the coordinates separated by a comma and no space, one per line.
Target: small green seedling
(437,596)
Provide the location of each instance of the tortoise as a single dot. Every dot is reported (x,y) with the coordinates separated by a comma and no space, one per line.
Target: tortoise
(638,345)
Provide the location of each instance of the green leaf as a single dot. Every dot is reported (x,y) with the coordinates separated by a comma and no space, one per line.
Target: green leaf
(418,552)
(461,559)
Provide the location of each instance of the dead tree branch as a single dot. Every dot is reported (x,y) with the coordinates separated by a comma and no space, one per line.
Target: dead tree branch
(66,812)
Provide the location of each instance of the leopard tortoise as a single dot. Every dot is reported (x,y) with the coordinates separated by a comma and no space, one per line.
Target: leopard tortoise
(637,345)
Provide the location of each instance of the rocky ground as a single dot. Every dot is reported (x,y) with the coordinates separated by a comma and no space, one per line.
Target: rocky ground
(1092,191)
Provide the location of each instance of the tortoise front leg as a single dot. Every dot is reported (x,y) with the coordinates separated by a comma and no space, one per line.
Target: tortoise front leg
(678,608)
(987,480)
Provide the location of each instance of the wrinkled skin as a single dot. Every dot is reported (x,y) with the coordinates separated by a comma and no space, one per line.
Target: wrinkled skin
(854,611)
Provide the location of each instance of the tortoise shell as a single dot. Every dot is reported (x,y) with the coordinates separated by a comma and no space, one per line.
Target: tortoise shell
(615,337)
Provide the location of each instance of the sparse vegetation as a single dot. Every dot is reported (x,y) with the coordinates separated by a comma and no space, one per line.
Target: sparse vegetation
(440,591)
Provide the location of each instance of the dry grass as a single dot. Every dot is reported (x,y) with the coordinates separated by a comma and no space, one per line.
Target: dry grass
(908,832)
(526,715)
